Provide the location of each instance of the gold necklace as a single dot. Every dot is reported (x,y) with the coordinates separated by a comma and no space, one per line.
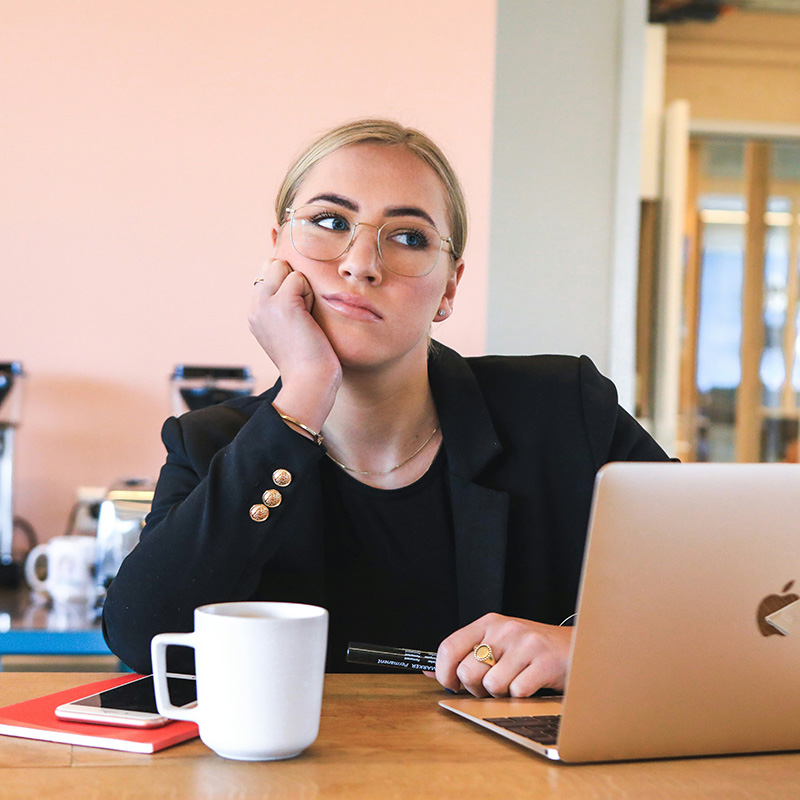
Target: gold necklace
(385,471)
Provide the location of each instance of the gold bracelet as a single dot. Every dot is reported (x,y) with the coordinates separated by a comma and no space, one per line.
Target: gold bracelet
(317,437)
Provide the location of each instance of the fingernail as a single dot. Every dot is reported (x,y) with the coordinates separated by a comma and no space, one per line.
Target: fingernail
(450,691)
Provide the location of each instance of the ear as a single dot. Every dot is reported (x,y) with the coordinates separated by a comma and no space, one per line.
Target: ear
(449,296)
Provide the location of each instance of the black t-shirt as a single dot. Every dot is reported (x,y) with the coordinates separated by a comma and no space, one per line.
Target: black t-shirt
(390,563)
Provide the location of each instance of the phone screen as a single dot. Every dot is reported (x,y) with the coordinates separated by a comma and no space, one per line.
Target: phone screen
(140,695)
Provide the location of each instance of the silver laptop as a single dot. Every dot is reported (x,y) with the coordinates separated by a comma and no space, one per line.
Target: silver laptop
(687,639)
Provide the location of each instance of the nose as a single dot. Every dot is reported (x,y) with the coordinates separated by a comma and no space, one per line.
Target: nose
(361,260)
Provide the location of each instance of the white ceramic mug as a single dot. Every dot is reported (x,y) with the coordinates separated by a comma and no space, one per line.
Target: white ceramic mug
(71,568)
(260,669)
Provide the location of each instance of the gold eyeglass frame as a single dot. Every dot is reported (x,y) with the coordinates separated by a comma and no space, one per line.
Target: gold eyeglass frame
(378,228)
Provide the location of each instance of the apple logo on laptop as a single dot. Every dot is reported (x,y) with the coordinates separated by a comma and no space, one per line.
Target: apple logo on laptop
(769,605)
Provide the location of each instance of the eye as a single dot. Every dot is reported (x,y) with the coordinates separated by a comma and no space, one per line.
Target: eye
(413,239)
(331,221)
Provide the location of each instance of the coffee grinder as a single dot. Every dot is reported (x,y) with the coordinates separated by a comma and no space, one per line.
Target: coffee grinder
(10,406)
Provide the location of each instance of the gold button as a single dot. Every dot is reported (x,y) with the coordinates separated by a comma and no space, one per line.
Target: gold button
(281,477)
(258,513)
(272,498)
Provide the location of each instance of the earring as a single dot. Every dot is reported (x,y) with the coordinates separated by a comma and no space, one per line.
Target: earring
(442,312)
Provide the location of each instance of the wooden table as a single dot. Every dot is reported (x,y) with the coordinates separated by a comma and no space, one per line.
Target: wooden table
(382,736)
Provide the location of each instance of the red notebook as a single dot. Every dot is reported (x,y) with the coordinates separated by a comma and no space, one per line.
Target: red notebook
(36,719)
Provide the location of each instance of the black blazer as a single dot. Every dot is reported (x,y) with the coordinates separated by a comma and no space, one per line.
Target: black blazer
(524,438)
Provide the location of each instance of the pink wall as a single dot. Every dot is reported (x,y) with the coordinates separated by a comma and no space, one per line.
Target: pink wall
(141,150)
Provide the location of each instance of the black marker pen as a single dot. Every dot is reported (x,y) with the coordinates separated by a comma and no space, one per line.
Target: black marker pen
(377,655)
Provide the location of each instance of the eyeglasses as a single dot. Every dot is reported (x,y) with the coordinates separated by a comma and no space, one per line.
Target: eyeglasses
(405,245)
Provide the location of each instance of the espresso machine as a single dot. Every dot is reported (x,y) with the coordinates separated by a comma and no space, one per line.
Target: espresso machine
(10,407)
(196,387)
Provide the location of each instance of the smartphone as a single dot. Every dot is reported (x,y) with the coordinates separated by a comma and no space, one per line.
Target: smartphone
(132,705)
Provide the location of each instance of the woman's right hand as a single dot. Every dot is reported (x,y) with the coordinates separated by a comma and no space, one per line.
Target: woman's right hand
(280,319)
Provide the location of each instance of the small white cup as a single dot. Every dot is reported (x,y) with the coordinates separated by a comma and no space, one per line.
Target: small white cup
(70,568)
(260,670)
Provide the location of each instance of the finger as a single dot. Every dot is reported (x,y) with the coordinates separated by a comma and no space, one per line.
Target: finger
(451,653)
(472,673)
(498,680)
(537,675)
(295,284)
(459,646)
(272,276)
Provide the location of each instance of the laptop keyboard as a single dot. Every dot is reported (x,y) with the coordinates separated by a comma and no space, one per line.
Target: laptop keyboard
(542,729)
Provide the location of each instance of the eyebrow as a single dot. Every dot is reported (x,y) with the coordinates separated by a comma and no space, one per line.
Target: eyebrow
(410,211)
(393,211)
(336,199)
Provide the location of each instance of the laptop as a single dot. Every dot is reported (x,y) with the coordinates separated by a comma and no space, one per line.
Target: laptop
(687,638)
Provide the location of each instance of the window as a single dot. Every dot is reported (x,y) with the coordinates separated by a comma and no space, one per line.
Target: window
(744,366)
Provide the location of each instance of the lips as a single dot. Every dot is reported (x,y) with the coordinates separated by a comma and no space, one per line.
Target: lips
(353,306)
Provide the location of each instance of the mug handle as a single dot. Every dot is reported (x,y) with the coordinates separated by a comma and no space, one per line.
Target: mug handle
(158,654)
(30,568)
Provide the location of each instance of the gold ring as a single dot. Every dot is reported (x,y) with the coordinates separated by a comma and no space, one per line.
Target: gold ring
(484,653)
(257,281)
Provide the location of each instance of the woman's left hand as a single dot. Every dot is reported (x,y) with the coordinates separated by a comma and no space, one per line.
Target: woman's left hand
(528,656)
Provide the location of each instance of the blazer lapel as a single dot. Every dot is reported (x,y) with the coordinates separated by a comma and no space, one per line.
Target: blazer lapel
(480,518)
(480,514)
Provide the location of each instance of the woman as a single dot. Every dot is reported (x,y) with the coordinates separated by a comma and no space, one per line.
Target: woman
(448,504)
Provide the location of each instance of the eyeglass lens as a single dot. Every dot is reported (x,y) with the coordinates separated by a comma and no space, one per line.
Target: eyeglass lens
(406,245)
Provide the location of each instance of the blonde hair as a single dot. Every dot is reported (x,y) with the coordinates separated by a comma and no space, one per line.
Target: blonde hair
(388,132)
